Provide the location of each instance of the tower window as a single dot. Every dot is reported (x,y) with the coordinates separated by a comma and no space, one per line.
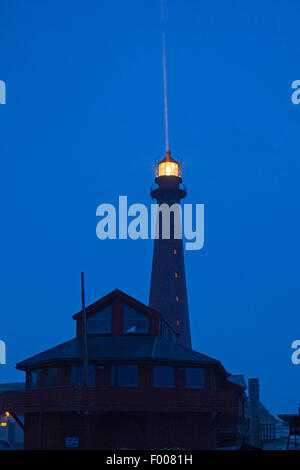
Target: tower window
(176,275)
(175,251)
(177,298)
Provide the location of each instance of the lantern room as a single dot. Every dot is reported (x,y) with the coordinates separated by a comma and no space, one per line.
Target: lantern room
(168,166)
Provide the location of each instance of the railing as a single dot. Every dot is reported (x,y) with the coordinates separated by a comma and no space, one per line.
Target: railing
(267,432)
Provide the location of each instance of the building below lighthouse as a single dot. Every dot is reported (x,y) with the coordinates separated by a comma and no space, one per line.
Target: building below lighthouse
(130,379)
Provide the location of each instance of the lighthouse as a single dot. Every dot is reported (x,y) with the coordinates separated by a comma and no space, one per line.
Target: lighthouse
(168,293)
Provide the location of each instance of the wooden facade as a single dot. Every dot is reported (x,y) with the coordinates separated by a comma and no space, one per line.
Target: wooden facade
(189,412)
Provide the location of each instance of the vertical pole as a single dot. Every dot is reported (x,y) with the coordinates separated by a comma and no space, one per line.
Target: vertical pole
(255,438)
(85,351)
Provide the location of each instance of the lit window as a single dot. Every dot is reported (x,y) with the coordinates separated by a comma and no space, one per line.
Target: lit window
(177,322)
(134,322)
(194,377)
(77,376)
(176,275)
(100,323)
(168,169)
(51,377)
(177,298)
(175,251)
(124,376)
(163,376)
(34,379)
(3,425)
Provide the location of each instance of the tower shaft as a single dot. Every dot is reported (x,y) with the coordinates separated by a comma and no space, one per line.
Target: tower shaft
(168,293)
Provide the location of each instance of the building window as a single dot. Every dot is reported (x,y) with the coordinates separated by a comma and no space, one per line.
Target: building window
(163,376)
(194,377)
(124,376)
(134,322)
(100,323)
(51,377)
(77,376)
(176,275)
(175,251)
(34,379)
(177,298)
(178,322)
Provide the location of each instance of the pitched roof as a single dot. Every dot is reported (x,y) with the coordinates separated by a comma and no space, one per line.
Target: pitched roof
(107,299)
(118,348)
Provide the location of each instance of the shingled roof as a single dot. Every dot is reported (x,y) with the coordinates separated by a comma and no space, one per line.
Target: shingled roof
(120,348)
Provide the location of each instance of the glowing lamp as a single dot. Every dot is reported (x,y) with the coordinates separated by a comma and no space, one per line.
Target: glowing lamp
(168,169)
(168,166)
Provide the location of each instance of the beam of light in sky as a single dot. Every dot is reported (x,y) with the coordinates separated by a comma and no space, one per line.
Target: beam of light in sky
(164,76)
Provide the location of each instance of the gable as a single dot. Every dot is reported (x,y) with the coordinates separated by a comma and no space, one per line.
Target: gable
(117,313)
(120,296)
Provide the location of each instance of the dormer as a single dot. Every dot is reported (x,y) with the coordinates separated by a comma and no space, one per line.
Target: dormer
(119,314)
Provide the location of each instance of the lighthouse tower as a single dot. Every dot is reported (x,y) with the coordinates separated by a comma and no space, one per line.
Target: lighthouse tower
(168,292)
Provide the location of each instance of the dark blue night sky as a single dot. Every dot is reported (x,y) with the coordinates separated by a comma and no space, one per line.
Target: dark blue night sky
(83,124)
